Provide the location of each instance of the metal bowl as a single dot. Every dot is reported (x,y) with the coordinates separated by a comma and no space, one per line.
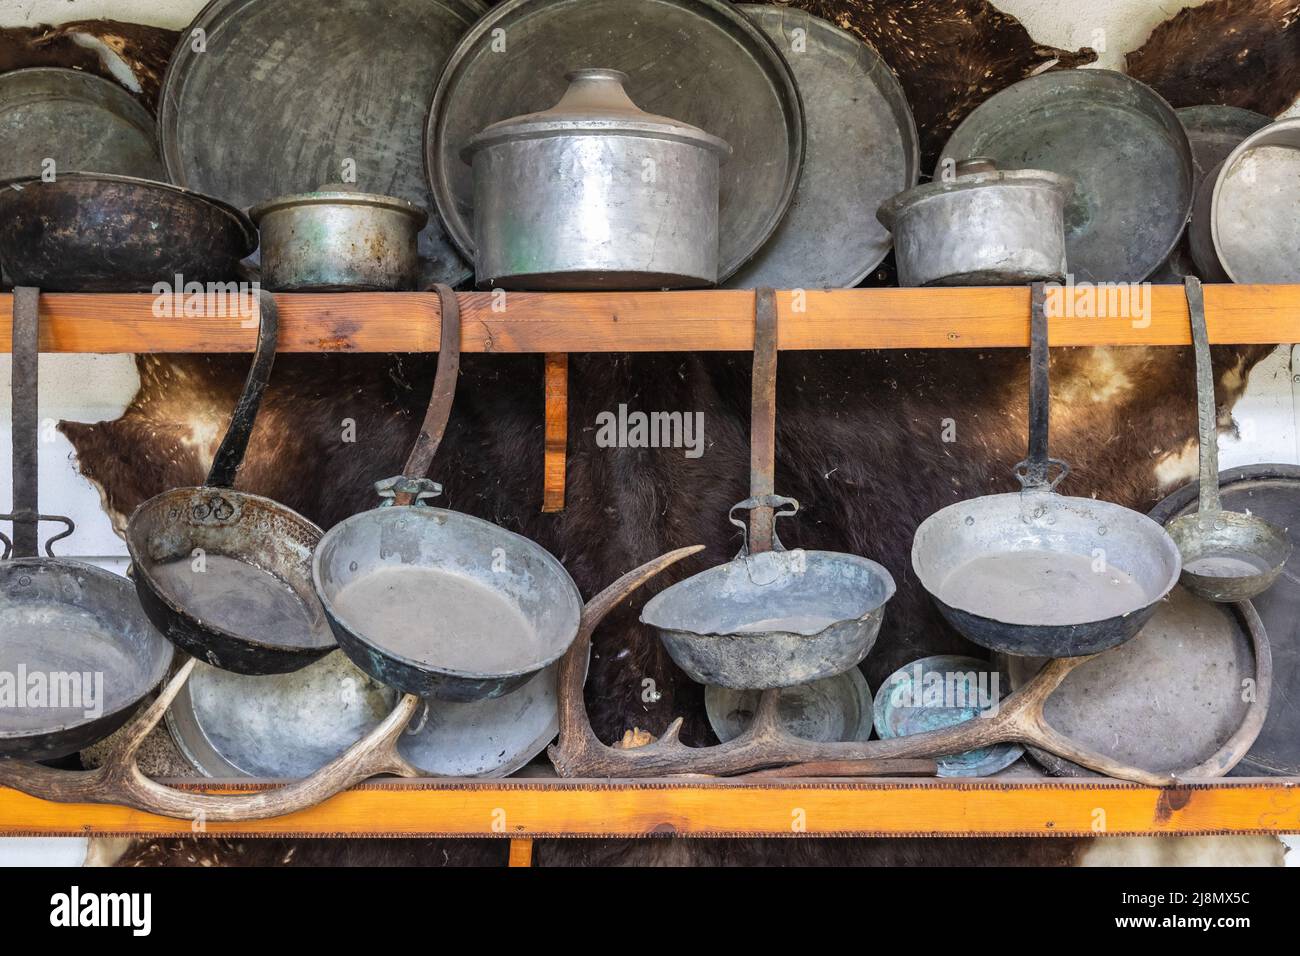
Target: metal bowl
(444,605)
(830,709)
(773,619)
(75,624)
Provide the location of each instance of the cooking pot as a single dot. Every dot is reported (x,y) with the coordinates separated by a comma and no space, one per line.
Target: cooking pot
(594,193)
(985,226)
(339,239)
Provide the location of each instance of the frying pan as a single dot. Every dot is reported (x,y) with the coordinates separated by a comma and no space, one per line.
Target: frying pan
(1036,573)
(224,574)
(94,232)
(434,602)
(77,625)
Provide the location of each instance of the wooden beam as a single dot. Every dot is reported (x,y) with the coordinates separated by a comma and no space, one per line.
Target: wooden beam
(521,853)
(527,809)
(555,453)
(658,321)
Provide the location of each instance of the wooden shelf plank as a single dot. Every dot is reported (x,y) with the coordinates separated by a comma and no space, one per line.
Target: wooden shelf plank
(657,321)
(522,809)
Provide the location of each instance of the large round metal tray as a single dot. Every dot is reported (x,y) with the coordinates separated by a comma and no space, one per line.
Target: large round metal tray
(699,61)
(1165,700)
(289,91)
(1273,493)
(862,149)
(77,119)
(1119,141)
(1214,132)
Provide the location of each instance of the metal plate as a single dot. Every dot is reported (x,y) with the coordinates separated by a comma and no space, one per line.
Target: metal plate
(1214,132)
(79,120)
(1165,700)
(699,61)
(1255,206)
(862,149)
(831,709)
(898,713)
(1273,493)
(1119,141)
(289,91)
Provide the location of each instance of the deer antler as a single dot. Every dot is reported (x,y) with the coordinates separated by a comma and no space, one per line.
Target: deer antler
(120,781)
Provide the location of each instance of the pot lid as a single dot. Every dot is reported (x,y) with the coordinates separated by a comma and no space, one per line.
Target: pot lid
(980,173)
(594,103)
(341,194)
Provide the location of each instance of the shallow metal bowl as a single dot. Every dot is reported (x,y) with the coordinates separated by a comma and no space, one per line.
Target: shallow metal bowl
(831,709)
(443,542)
(69,622)
(1044,522)
(715,625)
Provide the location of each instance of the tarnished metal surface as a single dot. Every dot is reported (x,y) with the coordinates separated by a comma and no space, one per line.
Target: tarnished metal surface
(78,120)
(88,232)
(1082,547)
(984,226)
(1246,226)
(442,542)
(1228,556)
(1272,492)
(862,149)
(833,708)
(698,61)
(1120,143)
(1214,132)
(337,239)
(723,626)
(289,94)
(941,691)
(71,628)
(282,726)
(595,193)
(1166,700)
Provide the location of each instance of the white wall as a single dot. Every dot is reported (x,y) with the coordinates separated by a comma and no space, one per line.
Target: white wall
(94,388)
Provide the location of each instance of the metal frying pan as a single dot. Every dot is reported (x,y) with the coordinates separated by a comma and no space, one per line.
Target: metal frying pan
(942,691)
(1119,141)
(862,149)
(1272,492)
(92,232)
(1174,696)
(68,627)
(434,602)
(1227,555)
(699,61)
(1038,574)
(224,574)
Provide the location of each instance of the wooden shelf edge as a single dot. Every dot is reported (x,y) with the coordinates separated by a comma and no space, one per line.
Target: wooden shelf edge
(531,808)
(710,320)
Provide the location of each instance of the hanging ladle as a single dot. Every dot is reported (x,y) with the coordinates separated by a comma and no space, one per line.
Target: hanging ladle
(1227,555)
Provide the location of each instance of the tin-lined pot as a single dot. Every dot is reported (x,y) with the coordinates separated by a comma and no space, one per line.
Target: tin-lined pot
(594,193)
(986,226)
(339,239)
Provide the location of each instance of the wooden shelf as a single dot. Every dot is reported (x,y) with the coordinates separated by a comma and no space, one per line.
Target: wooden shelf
(530,808)
(657,321)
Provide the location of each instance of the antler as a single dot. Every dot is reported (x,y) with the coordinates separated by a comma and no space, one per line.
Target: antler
(120,781)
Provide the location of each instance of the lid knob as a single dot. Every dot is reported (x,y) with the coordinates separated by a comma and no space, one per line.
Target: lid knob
(976,164)
(597,89)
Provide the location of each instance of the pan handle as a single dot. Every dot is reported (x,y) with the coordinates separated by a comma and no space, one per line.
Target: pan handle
(1206,412)
(1033,472)
(225,465)
(781,506)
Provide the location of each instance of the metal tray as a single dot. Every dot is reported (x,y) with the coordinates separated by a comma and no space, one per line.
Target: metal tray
(1214,132)
(1119,141)
(288,91)
(79,120)
(699,61)
(1165,700)
(1273,493)
(862,149)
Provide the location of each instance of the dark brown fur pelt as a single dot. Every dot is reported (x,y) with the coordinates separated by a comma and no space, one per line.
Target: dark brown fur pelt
(1234,52)
(218,851)
(950,55)
(142,49)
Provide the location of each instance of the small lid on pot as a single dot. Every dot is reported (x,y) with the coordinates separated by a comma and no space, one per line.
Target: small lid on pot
(977,173)
(341,194)
(595,103)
